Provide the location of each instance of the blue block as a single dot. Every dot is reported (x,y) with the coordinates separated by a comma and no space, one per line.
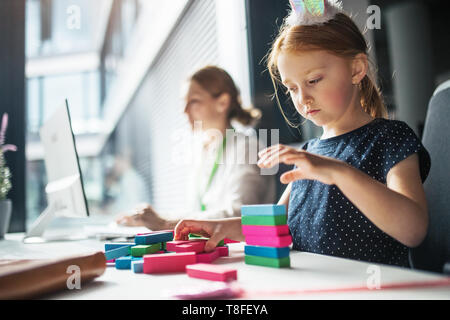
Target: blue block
(125,262)
(137,266)
(268,252)
(111,246)
(154,238)
(117,253)
(263,210)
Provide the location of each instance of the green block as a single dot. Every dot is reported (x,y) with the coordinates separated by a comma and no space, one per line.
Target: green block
(140,250)
(264,220)
(163,246)
(193,236)
(268,262)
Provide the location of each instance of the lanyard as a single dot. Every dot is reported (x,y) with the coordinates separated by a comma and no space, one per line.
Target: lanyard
(213,172)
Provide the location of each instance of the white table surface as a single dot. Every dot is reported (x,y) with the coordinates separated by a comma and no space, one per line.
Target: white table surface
(308,272)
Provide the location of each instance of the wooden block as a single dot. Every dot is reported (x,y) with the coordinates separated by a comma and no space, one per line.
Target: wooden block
(274,241)
(197,247)
(168,262)
(117,253)
(125,262)
(223,251)
(269,252)
(249,230)
(170,245)
(208,257)
(264,220)
(263,210)
(268,262)
(140,250)
(137,266)
(226,240)
(153,238)
(212,272)
(115,245)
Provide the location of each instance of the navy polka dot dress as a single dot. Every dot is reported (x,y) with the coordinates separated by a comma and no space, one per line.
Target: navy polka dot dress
(322,220)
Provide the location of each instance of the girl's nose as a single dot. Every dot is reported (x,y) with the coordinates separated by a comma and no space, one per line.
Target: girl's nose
(305,98)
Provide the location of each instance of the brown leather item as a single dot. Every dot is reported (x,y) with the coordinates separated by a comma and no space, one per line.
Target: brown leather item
(22,279)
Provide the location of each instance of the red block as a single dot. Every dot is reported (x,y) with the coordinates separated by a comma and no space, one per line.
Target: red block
(223,251)
(277,242)
(212,272)
(250,230)
(208,257)
(226,240)
(168,262)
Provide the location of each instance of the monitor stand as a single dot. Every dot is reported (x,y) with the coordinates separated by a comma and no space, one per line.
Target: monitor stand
(36,232)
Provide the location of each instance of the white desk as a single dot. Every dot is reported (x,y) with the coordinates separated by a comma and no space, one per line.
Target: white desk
(308,271)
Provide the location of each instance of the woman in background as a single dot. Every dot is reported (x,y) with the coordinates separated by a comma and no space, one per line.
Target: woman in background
(224,177)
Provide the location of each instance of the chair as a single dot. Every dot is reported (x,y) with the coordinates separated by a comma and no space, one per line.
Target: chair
(434,252)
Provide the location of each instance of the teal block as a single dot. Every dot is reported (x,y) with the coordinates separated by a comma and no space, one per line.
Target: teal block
(117,253)
(263,210)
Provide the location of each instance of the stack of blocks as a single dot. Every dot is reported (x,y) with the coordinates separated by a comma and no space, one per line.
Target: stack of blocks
(266,235)
(156,252)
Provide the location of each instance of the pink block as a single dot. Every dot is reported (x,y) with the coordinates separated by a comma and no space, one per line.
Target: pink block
(110,261)
(208,257)
(226,240)
(277,242)
(212,272)
(250,230)
(168,262)
(171,245)
(197,247)
(223,251)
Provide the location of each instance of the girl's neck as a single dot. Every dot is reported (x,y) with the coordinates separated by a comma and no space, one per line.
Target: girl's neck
(351,120)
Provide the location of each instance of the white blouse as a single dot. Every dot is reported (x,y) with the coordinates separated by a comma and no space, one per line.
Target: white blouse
(238,180)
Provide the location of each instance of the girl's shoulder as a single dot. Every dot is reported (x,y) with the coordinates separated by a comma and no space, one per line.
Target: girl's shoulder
(392,127)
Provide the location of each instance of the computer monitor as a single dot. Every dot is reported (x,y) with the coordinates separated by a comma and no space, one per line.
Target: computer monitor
(65,191)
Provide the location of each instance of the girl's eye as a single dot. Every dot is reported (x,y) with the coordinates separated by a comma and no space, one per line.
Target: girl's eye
(315,81)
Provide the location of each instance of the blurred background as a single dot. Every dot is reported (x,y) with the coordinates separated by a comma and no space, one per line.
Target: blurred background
(122,63)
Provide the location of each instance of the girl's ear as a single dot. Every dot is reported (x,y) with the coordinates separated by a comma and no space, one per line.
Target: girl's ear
(223,102)
(360,67)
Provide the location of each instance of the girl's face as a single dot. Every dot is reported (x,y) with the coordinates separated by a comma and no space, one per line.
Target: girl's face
(202,106)
(320,85)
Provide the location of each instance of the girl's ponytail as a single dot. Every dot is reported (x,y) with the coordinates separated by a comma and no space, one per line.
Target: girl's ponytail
(372,99)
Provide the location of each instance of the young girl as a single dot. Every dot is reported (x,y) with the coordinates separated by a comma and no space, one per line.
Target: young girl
(356,192)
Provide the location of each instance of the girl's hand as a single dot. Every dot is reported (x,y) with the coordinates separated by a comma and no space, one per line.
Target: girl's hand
(215,230)
(309,166)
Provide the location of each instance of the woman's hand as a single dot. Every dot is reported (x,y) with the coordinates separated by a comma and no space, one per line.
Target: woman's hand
(309,166)
(215,230)
(143,215)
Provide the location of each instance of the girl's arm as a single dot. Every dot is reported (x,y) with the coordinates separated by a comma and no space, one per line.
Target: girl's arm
(285,196)
(398,208)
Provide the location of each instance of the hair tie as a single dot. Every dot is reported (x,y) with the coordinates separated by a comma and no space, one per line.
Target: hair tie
(310,12)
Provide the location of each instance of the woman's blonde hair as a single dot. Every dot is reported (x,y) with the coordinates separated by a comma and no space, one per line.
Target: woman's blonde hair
(217,81)
(339,36)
